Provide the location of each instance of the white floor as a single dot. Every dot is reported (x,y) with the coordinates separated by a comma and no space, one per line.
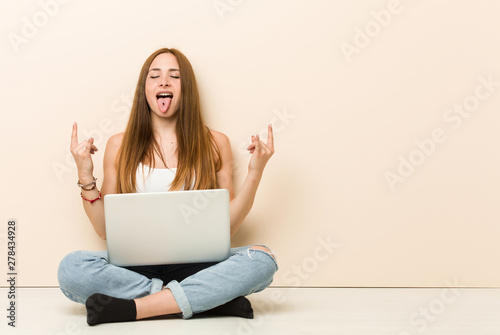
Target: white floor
(353,311)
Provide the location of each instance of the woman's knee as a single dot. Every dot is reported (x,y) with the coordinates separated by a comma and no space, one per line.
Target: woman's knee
(67,274)
(77,270)
(67,267)
(72,266)
(263,264)
(263,248)
(269,261)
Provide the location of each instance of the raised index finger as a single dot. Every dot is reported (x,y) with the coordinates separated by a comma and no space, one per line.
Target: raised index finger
(270,137)
(74,136)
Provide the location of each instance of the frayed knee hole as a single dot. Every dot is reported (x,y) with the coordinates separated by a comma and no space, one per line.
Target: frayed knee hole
(266,250)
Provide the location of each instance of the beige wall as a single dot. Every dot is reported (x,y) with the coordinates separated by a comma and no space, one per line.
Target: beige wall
(387,147)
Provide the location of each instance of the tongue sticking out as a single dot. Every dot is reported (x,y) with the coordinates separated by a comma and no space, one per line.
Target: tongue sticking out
(163,104)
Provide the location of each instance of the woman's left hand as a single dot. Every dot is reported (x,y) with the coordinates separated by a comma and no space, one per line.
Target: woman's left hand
(261,152)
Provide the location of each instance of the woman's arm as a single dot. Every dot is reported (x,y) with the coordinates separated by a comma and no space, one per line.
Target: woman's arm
(82,153)
(96,215)
(261,152)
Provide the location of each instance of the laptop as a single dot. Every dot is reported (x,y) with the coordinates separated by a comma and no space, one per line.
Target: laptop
(167,227)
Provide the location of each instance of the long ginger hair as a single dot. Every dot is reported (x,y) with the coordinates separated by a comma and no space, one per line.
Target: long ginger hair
(197,153)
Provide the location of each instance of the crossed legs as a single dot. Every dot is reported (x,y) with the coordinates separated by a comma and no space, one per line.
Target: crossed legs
(248,270)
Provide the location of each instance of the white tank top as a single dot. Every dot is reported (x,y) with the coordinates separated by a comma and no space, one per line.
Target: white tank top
(158,180)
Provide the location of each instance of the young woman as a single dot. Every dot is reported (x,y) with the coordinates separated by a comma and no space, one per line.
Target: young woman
(166,143)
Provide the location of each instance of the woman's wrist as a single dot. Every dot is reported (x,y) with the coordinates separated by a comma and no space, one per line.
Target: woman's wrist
(84,178)
(87,183)
(254,175)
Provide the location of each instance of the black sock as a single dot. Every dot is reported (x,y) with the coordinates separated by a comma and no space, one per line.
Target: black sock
(240,306)
(102,308)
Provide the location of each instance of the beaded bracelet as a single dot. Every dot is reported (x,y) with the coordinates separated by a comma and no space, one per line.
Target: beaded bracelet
(91,201)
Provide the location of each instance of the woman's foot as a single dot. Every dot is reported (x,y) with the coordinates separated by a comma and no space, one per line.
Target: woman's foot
(240,306)
(102,308)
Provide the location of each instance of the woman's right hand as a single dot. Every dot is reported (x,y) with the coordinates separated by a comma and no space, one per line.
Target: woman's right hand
(82,154)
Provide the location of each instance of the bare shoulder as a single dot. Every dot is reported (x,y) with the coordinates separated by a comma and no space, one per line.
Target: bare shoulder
(221,139)
(110,174)
(224,147)
(112,147)
(116,140)
(224,175)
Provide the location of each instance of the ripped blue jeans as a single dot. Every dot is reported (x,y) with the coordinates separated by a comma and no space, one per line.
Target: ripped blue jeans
(195,287)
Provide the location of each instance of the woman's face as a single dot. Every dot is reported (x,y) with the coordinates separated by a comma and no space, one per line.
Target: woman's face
(163,85)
